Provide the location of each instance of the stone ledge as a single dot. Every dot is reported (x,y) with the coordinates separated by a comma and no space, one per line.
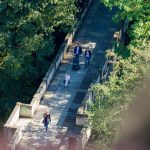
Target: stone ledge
(15,139)
(14,116)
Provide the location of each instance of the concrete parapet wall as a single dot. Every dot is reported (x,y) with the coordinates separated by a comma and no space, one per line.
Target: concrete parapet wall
(25,110)
(35,104)
(15,139)
(8,132)
(85,135)
(81,119)
(78,142)
(14,116)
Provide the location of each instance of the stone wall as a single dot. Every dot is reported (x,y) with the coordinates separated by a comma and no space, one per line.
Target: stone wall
(14,116)
(25,110)
(15,139)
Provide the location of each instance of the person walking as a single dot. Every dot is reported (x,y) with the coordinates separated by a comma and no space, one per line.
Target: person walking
(67,79)
(78,50)
(46,120)
(87,57)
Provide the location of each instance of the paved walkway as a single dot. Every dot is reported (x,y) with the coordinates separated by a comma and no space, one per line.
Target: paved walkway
(98,30)
(96,33)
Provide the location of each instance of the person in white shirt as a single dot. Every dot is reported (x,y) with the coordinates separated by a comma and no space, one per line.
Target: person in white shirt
(67,79)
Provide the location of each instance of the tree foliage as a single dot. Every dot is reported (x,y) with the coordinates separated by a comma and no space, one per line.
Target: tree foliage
(26,28)
(26,42)
(113,98)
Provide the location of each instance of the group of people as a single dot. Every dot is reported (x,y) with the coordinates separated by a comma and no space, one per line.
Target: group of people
(87,54)
(77,53)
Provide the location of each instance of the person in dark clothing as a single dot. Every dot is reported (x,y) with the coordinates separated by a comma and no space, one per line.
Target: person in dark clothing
(78,50)
(46,120)
(87,57)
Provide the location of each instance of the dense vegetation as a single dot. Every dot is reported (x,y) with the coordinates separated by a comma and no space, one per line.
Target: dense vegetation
(31,32)
(131,62)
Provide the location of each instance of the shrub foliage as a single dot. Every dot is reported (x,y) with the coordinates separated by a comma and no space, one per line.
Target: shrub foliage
(113,98)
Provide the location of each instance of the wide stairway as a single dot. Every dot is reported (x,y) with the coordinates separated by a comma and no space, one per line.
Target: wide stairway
(96,32)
